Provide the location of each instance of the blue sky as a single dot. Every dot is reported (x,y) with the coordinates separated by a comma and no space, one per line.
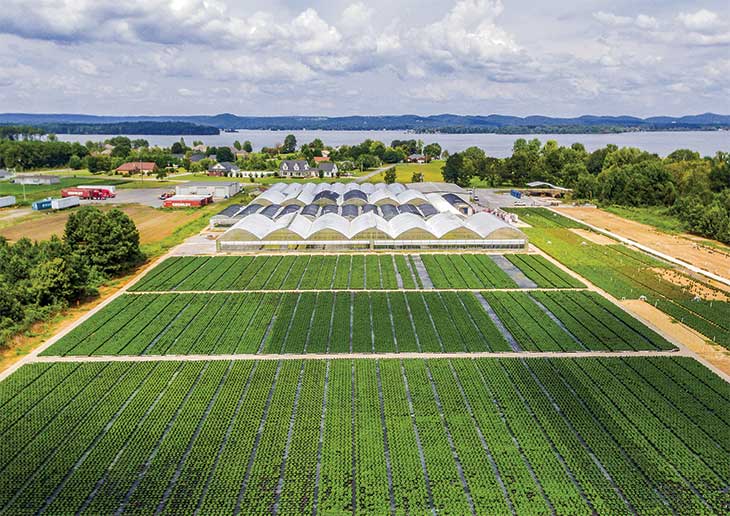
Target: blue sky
(377,57)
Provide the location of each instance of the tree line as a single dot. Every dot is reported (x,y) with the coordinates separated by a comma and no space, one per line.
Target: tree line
(695,189)
(40,278)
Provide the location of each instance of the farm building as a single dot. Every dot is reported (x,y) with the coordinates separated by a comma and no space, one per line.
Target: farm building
(223,169)
(137,167)
(339,216)
(218,189)
(187,201)
(36,180)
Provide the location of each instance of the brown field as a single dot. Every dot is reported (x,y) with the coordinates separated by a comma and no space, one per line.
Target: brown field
(684,247)
(153,225)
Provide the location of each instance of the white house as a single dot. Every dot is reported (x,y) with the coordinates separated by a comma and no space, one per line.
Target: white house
(295,168)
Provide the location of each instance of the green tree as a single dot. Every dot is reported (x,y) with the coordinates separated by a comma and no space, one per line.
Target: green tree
(75,163)
(417,177)
(224,154)
(177,148)
(107,241)
(432,150)
(247,146)
(237,145)
(390,176)
(454,170)
(290,144)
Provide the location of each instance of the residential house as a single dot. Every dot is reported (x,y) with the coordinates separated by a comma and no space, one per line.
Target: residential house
(200,148)
(224,169)
(194,158)
(416,158)
(138,167)
(328,169)
(295,168)
(321,159)
(240,154)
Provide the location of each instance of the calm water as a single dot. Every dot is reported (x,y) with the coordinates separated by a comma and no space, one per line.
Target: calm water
(499,145)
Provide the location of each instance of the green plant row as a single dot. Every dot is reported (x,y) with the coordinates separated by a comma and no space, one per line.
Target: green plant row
(360,322)
(543,273)
(465,271)
(344,272)
(489,436)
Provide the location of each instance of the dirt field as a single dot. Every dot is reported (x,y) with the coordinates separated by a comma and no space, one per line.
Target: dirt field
(153,225)
(716,355)
(683,247)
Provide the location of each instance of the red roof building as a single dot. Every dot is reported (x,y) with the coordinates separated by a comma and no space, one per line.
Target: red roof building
(320,159)
(138,167)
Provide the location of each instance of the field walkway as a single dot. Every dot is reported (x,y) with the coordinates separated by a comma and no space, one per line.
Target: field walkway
(366,356)
(364,178)
(374,290)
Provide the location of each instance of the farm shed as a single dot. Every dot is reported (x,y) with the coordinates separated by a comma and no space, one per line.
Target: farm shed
(36,180)
(218,189)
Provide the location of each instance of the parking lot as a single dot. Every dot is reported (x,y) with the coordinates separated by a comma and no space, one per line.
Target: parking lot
(500,198)
(145,196)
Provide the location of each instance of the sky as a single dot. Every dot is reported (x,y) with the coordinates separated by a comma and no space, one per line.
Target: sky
(344,57)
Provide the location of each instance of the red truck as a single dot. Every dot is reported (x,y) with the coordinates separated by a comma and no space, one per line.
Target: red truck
(87,192)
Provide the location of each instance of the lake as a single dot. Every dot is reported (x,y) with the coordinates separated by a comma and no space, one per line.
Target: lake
(707,143)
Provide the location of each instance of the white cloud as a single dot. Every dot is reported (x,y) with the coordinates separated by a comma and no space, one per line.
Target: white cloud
(84,66)
(467,37)
(612,19)
(641,21)
(700,21)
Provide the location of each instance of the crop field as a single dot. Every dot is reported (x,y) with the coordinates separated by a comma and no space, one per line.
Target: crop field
(486,436)
(347,272)
(367,322)
(629,274)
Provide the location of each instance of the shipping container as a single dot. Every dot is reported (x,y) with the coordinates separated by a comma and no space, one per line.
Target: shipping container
(44,204)
(6,201)
(65,202)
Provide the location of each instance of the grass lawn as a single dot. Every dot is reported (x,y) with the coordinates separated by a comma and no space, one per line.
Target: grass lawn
(404,172)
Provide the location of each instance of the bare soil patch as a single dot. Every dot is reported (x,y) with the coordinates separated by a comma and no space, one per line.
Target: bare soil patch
(592,236)
(688,248)
(714,354)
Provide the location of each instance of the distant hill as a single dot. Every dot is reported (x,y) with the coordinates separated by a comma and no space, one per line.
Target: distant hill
(434,123)
(116,127)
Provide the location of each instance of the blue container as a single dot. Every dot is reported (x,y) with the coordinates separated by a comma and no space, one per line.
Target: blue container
(516,193)
(45,204)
